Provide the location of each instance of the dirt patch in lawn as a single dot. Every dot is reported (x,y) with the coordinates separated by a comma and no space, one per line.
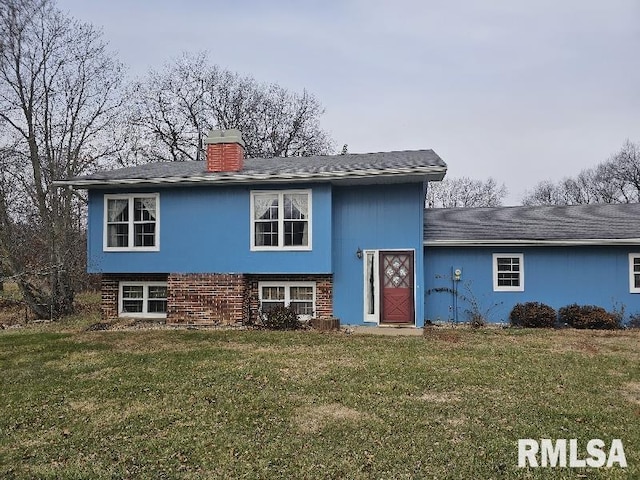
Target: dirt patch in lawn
(457,421)
(592,342)
(443,334)
(631,391)
(440,397)
(285,350)
(138,342)
(303,362)
(314,418)
(106,413)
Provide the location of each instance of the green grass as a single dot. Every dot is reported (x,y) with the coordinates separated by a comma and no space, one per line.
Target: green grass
(233,404)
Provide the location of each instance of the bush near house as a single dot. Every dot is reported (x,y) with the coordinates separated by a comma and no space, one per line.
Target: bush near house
(634,321)
(532,315)
(281,318)
(589,317)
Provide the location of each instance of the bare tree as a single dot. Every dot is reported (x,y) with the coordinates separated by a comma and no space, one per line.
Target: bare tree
(465,192)
(173,110)
(59,105)
(616,180)
(622,170)
(544,193)
(568,191)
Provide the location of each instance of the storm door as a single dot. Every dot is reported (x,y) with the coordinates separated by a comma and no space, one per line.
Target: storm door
(396,279)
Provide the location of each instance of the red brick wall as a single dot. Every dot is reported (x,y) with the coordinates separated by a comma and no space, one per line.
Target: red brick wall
(214,298)
(109,303)
(207,298)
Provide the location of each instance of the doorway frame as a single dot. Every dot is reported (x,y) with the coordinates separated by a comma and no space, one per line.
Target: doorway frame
(371,266)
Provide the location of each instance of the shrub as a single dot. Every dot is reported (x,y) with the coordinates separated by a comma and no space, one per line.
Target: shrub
(532,315)
(634,321)
(589,317)
(477,320)
(281,318)
(570,314)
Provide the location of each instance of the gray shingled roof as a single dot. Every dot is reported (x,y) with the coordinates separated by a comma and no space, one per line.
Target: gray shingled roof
(349,167)
(579,224)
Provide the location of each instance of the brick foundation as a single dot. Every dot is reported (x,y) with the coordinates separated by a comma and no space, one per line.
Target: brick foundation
(213,298)
(207,298)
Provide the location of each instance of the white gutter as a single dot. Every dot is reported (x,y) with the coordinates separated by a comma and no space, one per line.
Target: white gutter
(238,178)
(532,243)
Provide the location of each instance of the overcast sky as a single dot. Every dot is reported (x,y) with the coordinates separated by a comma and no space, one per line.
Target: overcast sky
(522,91)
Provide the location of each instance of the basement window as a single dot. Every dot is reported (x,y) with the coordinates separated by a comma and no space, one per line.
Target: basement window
(142,299)
(300,296)
(131,222)
(508,272)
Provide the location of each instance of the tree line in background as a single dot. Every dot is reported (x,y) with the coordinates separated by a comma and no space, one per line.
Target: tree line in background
(616,180)
(465,192)
(172,110)
(60,101)
(67,109)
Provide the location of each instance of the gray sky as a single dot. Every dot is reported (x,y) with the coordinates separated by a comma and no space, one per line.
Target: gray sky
(522,91)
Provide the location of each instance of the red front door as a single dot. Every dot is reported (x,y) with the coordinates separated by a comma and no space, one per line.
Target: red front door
(396,279)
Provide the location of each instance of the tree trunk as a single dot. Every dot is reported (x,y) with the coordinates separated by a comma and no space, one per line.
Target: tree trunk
(60,101)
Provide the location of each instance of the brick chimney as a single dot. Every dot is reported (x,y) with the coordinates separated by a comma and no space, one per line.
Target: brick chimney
(225,151)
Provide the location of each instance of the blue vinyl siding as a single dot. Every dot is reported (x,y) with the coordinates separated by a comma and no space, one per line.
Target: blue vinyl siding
(557,276)
(374,217)
(208,230)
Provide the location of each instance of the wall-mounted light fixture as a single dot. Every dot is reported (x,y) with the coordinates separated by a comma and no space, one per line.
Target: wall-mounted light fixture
(359,253)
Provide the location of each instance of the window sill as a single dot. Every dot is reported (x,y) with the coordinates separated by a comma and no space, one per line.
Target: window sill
(131,249)
(162,316)
(280,249)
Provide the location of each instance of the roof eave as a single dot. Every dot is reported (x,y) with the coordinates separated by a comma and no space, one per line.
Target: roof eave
(433,173)
(534,243)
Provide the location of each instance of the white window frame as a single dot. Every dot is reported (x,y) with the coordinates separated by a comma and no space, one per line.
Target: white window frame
(145,300)
(373,317)
(632,287)
(281,246)
(287,293)
(131,199)
(502,288)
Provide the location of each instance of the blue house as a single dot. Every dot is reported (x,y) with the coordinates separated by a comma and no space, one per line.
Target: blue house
(342,236)
(220,240)
(485,260)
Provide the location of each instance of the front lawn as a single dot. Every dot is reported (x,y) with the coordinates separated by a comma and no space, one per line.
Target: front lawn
(247,404)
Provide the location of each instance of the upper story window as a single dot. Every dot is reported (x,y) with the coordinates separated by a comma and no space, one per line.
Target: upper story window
(634,272)
(131,222)
(508,272)
(281,220)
